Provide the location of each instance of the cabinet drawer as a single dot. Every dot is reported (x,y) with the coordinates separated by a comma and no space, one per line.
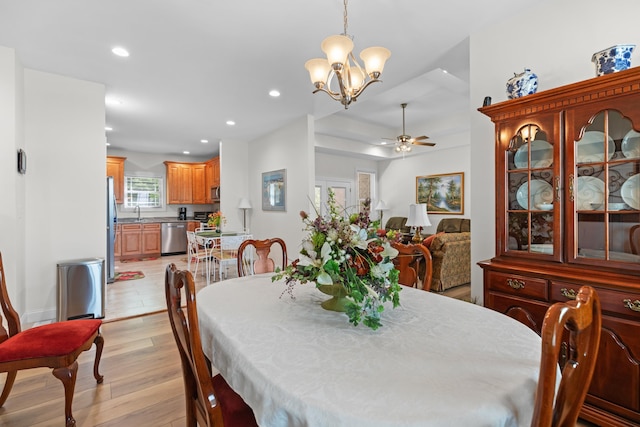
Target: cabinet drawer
(517,285)
(151,227)
(130,227)
(621,303)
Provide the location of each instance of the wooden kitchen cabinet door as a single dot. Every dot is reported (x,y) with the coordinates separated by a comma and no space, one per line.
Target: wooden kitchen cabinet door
(131,240)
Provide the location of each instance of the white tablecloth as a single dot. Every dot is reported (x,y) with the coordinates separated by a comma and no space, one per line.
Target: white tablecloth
(436,361)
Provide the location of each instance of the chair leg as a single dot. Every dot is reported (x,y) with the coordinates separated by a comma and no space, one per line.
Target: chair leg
(68,377)
(8,384)
(99,342)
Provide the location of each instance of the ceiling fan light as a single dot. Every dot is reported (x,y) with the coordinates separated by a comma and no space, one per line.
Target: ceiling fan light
(374,59)
(337,48)
(318,69)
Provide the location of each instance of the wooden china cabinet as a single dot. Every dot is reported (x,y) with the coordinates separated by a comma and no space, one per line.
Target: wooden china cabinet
(568,214)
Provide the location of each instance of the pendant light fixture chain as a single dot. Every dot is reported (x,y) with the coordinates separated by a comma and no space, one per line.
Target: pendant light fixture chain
(346,18)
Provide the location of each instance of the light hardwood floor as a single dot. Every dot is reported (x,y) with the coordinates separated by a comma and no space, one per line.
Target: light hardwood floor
(140,363)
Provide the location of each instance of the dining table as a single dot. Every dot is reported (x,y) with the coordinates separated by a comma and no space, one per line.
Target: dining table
(436,361)
(210,241)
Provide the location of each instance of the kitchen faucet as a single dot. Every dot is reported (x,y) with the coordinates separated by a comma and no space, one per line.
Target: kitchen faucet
(138,209)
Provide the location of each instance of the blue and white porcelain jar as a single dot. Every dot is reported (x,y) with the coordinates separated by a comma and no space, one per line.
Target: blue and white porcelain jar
(522,84)
(613,59)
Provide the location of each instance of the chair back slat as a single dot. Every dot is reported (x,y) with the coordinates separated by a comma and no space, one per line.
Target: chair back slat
(407,262)
(253,256)
(581,321)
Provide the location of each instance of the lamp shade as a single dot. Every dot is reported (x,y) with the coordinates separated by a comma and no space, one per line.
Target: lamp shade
(318,69)
(244,204)
(418,215)
(374,59)
(381,206)
(337,48)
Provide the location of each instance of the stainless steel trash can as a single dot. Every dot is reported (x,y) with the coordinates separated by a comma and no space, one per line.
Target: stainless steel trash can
(81,289)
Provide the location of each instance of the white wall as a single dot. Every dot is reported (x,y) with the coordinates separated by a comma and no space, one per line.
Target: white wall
(290,147)
(397,178)
(13,184)
(65,181)
(559,51)
(234,184)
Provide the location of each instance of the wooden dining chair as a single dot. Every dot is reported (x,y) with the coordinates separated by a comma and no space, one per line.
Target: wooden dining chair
(210,401)
(408,264)
(253,256)
(55,345)
(581,320)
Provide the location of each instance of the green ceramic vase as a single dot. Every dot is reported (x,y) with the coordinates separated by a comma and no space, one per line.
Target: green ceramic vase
(339,299)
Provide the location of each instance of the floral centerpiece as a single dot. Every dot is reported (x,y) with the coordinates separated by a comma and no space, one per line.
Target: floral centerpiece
(216,220)
(349,259)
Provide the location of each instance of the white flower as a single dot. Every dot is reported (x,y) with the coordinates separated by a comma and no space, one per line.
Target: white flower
(381,270)
(359,237)
(389,251)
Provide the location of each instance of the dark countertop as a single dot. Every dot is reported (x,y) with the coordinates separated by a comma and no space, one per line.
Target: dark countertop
(157,219)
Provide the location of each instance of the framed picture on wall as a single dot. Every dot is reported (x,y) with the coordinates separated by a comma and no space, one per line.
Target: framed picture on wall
(274,190)
(443,194)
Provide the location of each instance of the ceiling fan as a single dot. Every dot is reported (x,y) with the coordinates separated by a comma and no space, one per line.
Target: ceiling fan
(404,141)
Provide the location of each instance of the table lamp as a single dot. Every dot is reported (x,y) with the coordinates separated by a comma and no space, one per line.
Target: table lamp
(244,205)
(381,206)
(418,218)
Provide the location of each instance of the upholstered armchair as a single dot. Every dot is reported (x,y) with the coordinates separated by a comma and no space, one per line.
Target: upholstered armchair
(397,223)
(450,250)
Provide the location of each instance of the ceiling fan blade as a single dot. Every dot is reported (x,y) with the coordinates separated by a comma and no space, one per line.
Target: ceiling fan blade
(428,144)
(420,138)
(391,139)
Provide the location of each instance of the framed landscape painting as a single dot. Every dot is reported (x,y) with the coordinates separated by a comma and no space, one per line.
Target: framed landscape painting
(274,190)
(443,194)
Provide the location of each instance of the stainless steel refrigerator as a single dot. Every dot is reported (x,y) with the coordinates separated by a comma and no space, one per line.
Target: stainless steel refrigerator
(112,219)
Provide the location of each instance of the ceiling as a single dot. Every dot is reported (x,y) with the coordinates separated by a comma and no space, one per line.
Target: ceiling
(194,64)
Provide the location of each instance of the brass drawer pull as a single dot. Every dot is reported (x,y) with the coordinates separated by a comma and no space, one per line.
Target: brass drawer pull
(568,293)
(515,284)
(635,306)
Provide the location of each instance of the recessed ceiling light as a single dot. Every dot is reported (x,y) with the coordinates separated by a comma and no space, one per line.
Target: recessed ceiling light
(383,142)
(107,128)
(112,101)
(204,141)
(185,152)
(231,122)
(108,144)
(120,51)
(274,93)
(445,71)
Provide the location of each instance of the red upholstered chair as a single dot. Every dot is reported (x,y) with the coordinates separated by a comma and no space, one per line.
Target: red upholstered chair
(581,321)
(248,265)
(407,263)
(210,401)
(56,345)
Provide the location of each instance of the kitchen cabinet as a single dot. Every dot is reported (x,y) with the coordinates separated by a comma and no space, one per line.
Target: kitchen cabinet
(179,183)
(131,245)
(115,168)
(191,183)
(212,174)
(151,239)
(139,240)
(117,243)
(567,164)
(199,193)
(192,225)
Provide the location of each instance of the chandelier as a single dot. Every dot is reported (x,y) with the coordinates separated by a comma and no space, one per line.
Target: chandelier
(403,146)
(341,64)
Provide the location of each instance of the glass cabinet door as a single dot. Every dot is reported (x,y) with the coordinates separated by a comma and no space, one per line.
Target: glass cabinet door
(533,194)
(604,190)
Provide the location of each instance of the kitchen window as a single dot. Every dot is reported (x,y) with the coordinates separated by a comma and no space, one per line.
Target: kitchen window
(143,191)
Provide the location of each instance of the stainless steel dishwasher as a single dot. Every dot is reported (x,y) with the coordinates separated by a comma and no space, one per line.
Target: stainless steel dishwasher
(174,238)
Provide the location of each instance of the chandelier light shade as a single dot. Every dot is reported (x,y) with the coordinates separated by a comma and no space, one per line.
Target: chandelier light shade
(351,79)
(418,218)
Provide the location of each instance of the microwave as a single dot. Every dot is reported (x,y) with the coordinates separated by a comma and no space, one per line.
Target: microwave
(215,194)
